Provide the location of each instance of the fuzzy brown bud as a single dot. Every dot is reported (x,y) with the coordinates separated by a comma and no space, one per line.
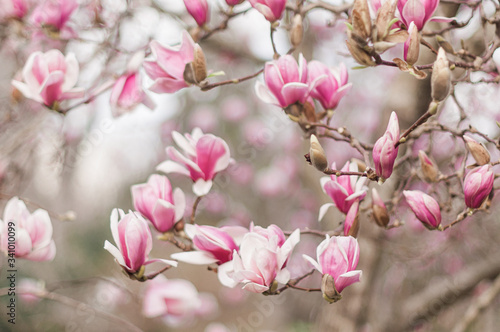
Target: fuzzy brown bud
(328,289)
(317,154)
(380,213)
(477,150)
(429,169)
(199,64)
(441,77)
(297,32)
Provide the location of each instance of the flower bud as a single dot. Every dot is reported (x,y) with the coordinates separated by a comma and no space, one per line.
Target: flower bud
(351,224)
(441,77)
(297,31)
(328,289)
(384,152)
(477,150)
(425,207)
(199,64)
(380,213)
(198,10)
(412,45)
(445,45)
(317,154)
(478,184)
(429,169)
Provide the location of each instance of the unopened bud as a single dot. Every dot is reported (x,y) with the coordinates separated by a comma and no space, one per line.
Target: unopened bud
(445,45)
(441,77)
(328,289)
(317,154)
(429,169)
(412,45)
(297,32)
(199,64)
(477,150)
(179,226)
(354,230)
(380,213)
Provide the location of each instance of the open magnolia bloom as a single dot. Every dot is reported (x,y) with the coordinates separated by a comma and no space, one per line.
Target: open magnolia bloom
(204,156)
(49,78)
(337,257)
(261,260)
(134,242)
(213,245)
(33,232)
(343,190)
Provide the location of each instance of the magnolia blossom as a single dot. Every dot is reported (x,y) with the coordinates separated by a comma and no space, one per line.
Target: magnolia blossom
(384,150)
(156,201)
(32,237)
(167,70)
(133,238)
(198,9)
(204,156)
(127,91)
(213,245)
(343,190)
(478,184)
(14,8)
(176,301)
(338,257)
(419,12)
(351,223)
(286,82)
(55,14)
(330,90)
(425,207)
(271,9)
(50,78)
(262,259)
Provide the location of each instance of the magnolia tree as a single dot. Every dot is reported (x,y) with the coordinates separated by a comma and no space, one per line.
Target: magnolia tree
(178,164)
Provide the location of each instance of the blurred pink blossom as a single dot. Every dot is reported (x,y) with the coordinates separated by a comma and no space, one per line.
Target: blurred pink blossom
(384,152)
(419,12)
(28,288)
(425,207)
(55,14)
(338,256)
(167,70)
(158,203)
(198,9)
(49,78)
(127,91)
(14,8)
(343,190)
(133,238)
(204,156)
(478,184)
(271,9)
(33,232)
(329,91)
(177,301)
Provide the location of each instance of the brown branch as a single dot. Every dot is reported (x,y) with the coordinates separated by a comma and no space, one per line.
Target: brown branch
(233,81)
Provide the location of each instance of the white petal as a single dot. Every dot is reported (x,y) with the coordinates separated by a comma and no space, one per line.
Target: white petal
(313,262)
(183,143)
(224,271)
(115,252)
(180,203)
(170,166)
(195,257)
(265,95)
(323,209)
(202,187)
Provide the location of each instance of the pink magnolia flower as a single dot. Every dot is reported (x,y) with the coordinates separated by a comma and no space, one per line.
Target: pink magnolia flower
(176,301)
(338,256)
(156,201)
(343,190)
(204,156)
(26,235)
(55,14)
(271,9)
(384,152)
(127,91)
(286,82)
(49,78)
(330,90)
(213,245)
(198,9)
(351,225)
(133,238)
(425,207)
(14,9)
(420,12)
(167,70)
(262,260)
(478,184)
